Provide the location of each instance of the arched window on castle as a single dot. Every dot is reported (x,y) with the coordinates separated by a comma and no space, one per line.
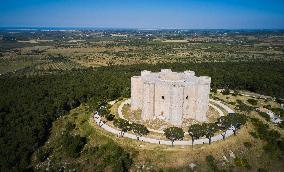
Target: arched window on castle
(163,97)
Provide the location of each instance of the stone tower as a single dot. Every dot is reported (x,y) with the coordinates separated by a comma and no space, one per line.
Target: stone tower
(170,96)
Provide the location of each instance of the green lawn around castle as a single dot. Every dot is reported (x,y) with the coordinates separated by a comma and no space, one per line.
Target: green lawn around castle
(242,152)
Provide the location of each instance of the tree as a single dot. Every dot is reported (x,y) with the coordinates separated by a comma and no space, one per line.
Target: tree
(278,111)
(236,93)
(103,103)
(174,133)
(210,129)
(139,129)
(214,89)
(226,91)
(223,125)
(196,131)
(236,121)
(243,107)
(103,111)
(109,117)
(122,124)
(279,100)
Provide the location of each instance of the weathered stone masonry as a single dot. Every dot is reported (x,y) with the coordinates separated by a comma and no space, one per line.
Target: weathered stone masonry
(170,96)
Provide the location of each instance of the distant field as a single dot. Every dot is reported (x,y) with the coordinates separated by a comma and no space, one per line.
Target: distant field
(175,41)
(13,66)
(105,48)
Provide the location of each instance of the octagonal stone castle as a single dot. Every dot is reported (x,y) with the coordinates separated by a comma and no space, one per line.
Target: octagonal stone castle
(170,96)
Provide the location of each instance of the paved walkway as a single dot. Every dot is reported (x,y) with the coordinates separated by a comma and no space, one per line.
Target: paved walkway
(158,141)
(221,113)
(128,101)
(106,127)
(228,109)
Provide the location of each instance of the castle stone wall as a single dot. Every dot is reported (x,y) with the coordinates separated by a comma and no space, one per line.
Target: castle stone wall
(170,96)
(148,101)
(136,92)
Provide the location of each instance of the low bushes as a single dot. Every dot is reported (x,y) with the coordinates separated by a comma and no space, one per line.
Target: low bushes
(73,144)
(264,115)
(114,156)
(109,117)
(252,101)
(212,163)
(42,153)
(275,143)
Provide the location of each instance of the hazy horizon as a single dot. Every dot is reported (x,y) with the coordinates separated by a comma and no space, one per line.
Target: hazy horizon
(146,14)
(23,28)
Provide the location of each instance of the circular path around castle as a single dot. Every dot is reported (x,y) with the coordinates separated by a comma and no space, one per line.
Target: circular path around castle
(106,127)
(128,101)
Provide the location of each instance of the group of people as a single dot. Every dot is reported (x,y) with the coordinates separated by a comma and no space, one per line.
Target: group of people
(100,123)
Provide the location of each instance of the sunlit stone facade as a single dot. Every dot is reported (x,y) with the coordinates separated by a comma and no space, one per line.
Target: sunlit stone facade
(170,96)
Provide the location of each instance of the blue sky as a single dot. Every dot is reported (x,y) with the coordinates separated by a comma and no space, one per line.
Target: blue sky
(187,14)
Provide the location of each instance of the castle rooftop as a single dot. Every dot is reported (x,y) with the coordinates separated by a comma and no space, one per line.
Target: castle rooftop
(167,76)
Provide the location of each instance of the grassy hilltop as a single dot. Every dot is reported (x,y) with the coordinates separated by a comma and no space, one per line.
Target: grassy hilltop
(51,82)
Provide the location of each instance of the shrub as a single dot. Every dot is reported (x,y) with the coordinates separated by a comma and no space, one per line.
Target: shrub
(236,93)
(275,144)
(281,125)
(93,150)
(241,162)
(103,111)
(243,107)
(253,134)
(70,126)
(274,149)
(264,115)
(42,153)
(247,144)
(278,111)
(73,144)
(114,156)
(214,89)
(252,101)
(267,106)
(280,101)
(120,98)
(109,117)
(262,170)
(226,91)
(211,162)
(239,101)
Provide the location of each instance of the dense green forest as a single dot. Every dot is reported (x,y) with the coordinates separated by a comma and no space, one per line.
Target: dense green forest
(29,104)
